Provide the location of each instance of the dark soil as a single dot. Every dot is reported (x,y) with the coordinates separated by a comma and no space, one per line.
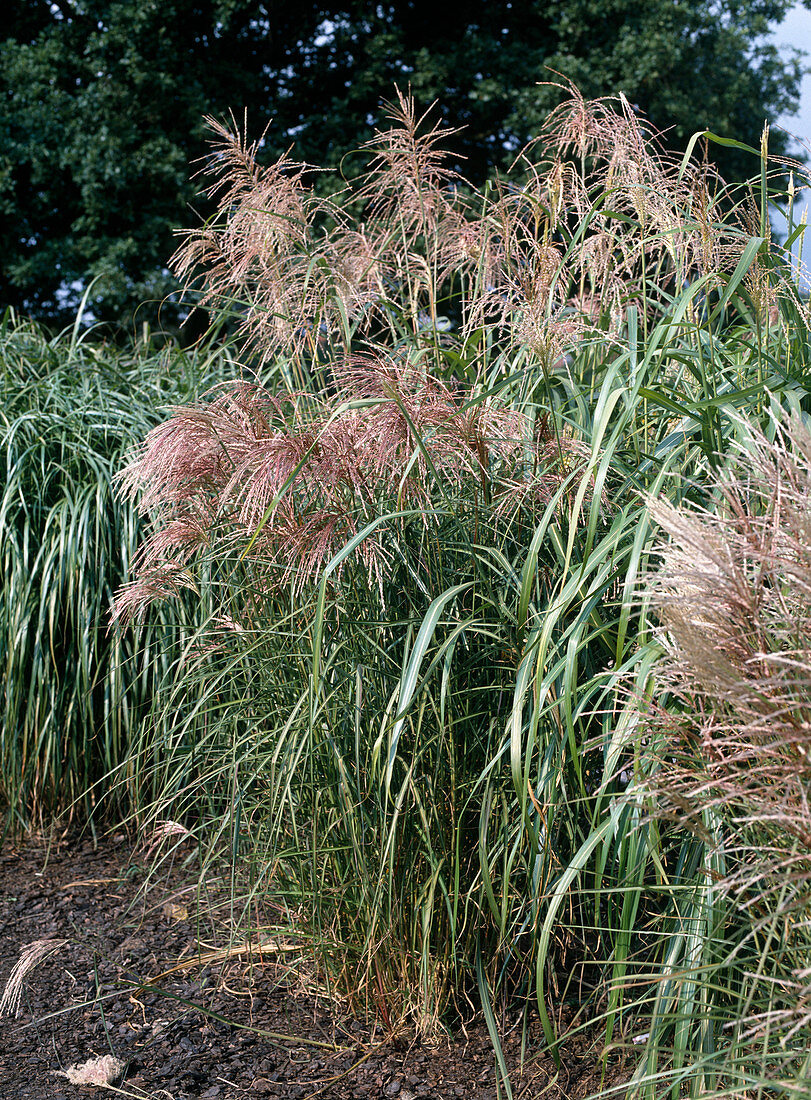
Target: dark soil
(198,1032)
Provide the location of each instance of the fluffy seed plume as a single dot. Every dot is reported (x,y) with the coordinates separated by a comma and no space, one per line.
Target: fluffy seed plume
(95,1071)
(733,594)
(295,480)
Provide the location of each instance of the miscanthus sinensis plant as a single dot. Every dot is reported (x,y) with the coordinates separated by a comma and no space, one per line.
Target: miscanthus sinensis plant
(75,695)
(420,517)
(733,595)
(370,392)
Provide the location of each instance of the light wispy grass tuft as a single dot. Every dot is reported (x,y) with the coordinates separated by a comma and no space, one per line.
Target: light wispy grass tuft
(105,1070)
(733,594)
(31,956)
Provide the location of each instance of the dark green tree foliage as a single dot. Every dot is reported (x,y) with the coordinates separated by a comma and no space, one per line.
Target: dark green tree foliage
(102,104)
(101,112)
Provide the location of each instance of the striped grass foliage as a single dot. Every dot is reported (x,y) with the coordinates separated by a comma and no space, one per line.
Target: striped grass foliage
(75,695)
(417,719)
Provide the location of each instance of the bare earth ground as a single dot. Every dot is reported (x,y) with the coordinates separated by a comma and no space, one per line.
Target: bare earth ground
(197,1031)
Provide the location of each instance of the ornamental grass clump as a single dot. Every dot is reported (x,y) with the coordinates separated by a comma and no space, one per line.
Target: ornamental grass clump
(75,696)
(353,546)
(733,594)
(419,521)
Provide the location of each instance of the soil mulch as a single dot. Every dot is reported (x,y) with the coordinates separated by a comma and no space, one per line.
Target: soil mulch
(221,1026)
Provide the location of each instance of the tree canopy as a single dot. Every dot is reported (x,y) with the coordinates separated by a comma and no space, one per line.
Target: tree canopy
(103,102)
